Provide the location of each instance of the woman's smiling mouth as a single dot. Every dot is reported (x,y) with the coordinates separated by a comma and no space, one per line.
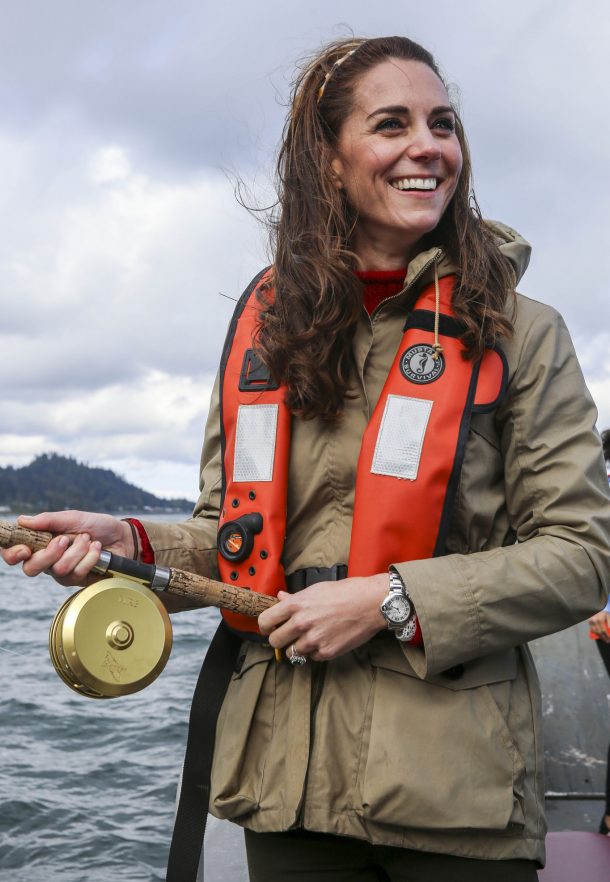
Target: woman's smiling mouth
(414,183)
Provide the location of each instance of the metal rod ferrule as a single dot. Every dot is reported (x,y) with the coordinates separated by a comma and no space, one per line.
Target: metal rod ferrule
(161,578)
(155,577)
(125,566)
(103,563)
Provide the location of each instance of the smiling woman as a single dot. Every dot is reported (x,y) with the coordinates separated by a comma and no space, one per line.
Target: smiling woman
(383,117)
(398,159)
(400,452)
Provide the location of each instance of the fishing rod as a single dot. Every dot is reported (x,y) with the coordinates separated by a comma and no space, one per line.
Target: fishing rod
(115,636)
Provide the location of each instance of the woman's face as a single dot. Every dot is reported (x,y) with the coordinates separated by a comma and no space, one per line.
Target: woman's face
(397,158)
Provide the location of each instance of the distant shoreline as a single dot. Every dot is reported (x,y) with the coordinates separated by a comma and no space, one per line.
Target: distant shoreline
(58,483)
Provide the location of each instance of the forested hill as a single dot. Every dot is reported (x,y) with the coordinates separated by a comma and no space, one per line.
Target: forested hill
(52,482)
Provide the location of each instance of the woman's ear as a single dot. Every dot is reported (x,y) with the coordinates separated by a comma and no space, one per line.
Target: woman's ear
(336,172)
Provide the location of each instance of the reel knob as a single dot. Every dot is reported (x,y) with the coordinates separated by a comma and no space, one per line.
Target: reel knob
(112,638)
(119,635)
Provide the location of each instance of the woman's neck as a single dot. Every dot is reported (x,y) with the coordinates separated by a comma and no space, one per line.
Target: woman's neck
(380,253)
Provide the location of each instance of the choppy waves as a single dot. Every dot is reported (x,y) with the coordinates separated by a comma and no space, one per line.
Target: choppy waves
(87,788)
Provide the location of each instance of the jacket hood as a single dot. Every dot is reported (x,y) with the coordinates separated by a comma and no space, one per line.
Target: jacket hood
(513,246)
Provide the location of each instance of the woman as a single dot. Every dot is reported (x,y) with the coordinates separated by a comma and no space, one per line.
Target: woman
(412,445)
(600,632)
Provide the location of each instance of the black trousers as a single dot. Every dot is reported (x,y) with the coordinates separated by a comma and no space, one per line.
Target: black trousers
(604,651)
(301,856)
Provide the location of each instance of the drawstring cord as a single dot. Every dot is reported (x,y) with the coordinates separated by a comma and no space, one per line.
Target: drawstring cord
(437,313)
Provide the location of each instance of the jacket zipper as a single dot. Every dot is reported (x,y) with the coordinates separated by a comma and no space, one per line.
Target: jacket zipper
(372,318)
(415,279)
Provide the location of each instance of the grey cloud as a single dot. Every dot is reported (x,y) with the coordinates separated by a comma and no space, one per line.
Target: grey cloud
(160,78)
(93,294)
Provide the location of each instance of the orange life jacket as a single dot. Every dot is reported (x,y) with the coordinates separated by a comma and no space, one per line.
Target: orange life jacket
(409,463)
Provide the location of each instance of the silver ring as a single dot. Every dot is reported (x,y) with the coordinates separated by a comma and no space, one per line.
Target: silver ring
(294,658)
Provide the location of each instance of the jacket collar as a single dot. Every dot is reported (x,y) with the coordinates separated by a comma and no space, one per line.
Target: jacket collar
(421,267)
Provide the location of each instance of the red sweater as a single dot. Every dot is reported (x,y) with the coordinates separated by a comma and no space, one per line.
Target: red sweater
(379,285)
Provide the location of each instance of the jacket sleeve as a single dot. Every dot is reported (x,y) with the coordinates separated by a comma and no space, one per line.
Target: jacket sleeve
(191,545)
(558,570)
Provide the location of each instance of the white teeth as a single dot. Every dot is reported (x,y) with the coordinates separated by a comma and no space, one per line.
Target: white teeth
(415,184)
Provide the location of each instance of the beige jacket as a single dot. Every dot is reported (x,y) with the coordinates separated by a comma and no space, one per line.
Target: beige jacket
(437,749)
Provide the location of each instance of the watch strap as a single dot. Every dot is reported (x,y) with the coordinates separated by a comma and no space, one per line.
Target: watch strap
(410,632)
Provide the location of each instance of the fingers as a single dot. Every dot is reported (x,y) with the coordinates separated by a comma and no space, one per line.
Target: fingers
(76,562)
(54,521)
(327,619)
(41,560)
(68,562)
(114,534)
(286,622)
(15,555)
(276,615)
(43,521)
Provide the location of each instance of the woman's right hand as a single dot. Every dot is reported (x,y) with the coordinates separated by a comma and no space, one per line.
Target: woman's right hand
(79,537)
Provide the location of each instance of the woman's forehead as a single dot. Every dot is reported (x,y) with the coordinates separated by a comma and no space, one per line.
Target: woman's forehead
(397,81)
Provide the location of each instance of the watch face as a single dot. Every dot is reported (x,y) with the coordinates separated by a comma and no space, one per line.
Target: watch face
(397,609)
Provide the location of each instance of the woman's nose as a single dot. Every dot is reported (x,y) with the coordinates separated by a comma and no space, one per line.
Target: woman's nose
(423,146)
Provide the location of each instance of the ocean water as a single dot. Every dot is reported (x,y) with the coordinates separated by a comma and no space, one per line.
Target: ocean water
(88,788)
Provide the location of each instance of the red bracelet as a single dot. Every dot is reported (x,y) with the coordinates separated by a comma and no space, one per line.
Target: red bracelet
(147,554)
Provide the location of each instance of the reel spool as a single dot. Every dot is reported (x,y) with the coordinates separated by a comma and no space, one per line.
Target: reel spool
(110,639)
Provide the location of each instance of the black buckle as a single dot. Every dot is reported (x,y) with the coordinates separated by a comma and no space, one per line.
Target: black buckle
(310,575)
(255,376)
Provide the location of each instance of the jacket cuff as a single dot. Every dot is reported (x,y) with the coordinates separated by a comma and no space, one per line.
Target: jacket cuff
(450,631)
(189,545)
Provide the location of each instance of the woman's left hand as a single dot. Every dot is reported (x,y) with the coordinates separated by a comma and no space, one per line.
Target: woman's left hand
(328,618)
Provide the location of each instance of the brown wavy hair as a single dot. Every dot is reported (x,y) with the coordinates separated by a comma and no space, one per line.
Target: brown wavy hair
(307,326)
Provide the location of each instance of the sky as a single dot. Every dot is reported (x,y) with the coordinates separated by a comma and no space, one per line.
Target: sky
(125,127)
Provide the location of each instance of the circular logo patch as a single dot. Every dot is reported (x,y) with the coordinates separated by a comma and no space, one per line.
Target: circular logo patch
(419,365)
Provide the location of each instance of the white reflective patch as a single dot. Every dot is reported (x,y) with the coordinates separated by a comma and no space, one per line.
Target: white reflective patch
(255,442)
(401,436)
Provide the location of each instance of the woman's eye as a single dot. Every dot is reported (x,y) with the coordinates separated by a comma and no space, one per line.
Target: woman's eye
(446,123)
(388,124)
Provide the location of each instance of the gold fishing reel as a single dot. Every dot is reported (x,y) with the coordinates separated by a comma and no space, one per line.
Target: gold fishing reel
(110,639)
(114,637)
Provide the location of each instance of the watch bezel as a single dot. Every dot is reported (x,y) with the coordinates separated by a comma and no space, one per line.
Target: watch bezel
(389,604)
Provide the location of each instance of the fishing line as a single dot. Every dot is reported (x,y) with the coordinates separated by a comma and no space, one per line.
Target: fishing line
(235,300)
(12,652)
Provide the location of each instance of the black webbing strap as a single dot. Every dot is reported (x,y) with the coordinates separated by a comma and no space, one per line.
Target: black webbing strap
(301,579)
(191,817)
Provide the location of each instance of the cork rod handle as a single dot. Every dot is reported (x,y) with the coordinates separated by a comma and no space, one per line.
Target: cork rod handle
(13,534)
(198,589)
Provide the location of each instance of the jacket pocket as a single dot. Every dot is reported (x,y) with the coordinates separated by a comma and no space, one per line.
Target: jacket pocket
(440,754)
(238,767)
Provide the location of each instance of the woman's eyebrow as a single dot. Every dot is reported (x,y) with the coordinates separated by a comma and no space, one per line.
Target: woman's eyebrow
(404,111)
